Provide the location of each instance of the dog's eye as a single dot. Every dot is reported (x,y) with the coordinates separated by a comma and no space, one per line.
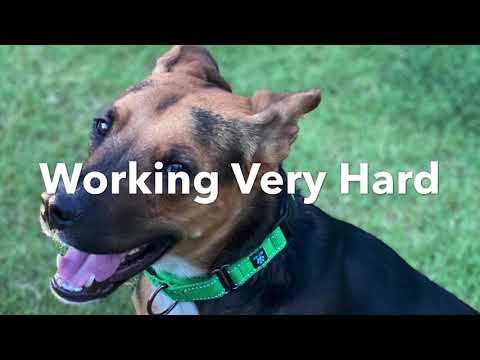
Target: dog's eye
(102,126)
(175,167)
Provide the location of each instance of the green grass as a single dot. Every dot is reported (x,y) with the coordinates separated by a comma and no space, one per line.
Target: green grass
(396,108)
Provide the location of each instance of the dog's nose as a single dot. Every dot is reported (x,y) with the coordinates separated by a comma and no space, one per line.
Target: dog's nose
(60,211)
(60,217)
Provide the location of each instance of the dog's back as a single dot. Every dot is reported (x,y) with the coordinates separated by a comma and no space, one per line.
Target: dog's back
(352,272)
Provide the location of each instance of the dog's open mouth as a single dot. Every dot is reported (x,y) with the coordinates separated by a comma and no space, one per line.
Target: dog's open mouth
(83,277)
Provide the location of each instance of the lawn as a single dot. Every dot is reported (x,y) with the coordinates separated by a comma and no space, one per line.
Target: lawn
(396,108)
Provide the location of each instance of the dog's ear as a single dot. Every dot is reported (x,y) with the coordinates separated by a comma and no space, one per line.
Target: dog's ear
(192,60)
(276,117)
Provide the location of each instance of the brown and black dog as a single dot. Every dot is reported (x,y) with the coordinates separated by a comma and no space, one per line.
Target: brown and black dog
(185,115)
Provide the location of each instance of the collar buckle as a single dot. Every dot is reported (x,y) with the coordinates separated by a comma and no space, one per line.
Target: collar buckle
(225,278)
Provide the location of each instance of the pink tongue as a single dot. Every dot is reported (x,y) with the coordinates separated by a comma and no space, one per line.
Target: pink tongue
(77,267)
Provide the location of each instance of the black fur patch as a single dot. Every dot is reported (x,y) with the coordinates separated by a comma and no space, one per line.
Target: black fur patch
(228,141)
(208,127)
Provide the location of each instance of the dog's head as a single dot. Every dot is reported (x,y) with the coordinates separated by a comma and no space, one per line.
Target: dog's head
(185,116)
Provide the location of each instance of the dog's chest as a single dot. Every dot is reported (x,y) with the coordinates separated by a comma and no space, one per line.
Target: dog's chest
(181,268)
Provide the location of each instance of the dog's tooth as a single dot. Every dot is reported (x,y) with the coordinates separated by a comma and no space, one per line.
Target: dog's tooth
(69,287)
(90,281)
(59,258)
(59,280)
(65,285)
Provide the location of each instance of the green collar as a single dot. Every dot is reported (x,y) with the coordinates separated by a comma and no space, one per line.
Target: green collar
(223,280)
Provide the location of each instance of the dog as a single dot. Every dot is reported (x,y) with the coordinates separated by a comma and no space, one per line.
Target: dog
(186,116)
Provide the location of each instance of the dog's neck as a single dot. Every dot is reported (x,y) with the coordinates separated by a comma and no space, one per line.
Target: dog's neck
(275,281)
(250,231)
(237,235)
(244,237)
